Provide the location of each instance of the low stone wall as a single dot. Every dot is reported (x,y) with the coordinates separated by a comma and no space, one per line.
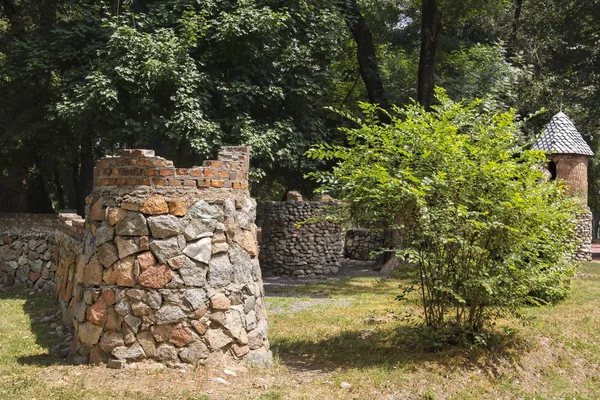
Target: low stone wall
(27,250)
(169,270)
(360,243)
(313,249)
(584,235)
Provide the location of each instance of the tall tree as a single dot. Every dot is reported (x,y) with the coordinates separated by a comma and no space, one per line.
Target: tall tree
(431,29)
(366,54)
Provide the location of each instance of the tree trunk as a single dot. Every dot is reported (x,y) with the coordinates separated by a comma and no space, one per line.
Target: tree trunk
(60,194)
(513,41)
(367,59)
(86,174)
(431,29)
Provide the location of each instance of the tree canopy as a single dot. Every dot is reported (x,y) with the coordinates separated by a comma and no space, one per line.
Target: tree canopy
(81,79)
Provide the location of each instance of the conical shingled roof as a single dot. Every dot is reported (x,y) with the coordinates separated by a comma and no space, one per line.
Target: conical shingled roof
(561,137)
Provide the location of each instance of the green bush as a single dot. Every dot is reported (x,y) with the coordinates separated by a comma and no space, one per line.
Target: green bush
(466,205)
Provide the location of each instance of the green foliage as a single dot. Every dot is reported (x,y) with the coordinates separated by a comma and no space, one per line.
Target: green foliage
(483,71)
(464,203)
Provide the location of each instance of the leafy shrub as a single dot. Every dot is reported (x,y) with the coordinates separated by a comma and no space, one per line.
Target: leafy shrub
(466,205)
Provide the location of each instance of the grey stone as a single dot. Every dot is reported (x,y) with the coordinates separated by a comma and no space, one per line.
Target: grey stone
(104,233)
(127,246)
(131,353)
(169,314)
(108,254)
(36,266)
(165,249)
(134,294)
(220,271)
(195,297)
(140,309)
(242,264)
(88,297)
(260,358)
(80,311)
(229,207)
(153,299)
(110,340)
(116,364)
(235,325)
(146,340)
(249,304)
(201,209)
(251,320)
(88,333)
(133,322)
(134,224)
(198,228)
(217,339)
(199,250)
(165,226)
(122,308)
(194,353)
(193,273)
(176,282)
(166,352)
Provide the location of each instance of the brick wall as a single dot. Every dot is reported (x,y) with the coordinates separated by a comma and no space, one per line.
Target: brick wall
(143,168)
(572,168)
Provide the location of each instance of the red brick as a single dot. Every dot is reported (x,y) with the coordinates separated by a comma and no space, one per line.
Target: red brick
(104,182)
(244,185)
(210,173)
(223,174)
(151,172)
(121,181)
(104,162)
(175,182)
(132,182)
(216,183)
(143,162)
(166,172)
(235,185)
(203,182)
(145,181)
(181,171)
(196,172)
(160,182)
(189,182)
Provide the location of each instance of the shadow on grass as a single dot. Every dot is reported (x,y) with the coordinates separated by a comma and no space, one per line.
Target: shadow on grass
(406,347)
(36,306)
(354,286)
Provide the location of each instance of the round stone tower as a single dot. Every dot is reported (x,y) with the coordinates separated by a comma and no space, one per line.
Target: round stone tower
(170,268)
(568,156)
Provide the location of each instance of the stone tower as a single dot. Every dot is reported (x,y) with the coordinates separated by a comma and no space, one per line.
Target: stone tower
(568,156)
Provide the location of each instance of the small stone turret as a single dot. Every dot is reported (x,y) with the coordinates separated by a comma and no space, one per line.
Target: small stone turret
(169,270)
(568,155)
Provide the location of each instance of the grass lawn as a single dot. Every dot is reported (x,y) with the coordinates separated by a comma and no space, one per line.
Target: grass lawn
(326,336)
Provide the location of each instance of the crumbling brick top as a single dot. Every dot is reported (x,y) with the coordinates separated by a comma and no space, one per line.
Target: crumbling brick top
(139,167)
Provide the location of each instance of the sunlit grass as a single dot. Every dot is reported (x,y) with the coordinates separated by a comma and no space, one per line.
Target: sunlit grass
(352,331)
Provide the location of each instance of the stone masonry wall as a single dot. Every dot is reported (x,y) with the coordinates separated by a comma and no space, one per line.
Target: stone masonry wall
(169,270)
(313,249)
(584,235)
(27,250)
(360,243)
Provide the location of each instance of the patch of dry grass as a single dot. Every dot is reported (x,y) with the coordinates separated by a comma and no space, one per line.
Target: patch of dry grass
(350,331)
